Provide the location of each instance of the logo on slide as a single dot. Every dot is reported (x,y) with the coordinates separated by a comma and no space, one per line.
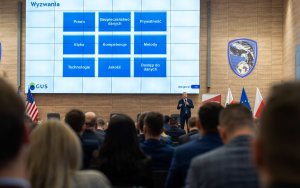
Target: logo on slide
(242,56)
(34,86)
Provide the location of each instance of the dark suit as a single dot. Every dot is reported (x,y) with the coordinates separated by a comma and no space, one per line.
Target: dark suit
(161,153)
(174,132)
(283,185)
(186,138)
(185,111)
(166,140)
(91,142)
(185,153)
(229,166)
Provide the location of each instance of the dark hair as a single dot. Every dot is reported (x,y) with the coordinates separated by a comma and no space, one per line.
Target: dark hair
(120,149)
(76,119)
(166,119)
(192,122)
(236,116)
(154,122)
(209,116)
(12,129)
(280,132)
(100,121)
(141,121)
(173,120)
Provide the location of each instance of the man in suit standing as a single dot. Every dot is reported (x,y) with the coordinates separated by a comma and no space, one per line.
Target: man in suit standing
(185,105)
(14,141)
(229,166)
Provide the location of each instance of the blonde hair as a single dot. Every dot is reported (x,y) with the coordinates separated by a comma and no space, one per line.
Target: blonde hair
(55,154)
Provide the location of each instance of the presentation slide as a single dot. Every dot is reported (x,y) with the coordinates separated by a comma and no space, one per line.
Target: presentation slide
(113,46)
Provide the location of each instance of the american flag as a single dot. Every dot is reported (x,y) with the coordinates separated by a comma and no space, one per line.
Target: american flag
(31,108)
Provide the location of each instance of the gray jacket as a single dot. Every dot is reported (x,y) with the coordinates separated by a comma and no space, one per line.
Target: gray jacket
(89,179)
(229,166)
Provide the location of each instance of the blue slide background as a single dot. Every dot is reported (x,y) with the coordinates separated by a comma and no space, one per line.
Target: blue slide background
(113,46)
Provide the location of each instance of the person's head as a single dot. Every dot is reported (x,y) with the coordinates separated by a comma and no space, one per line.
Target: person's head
(235,120)
(13,134)
(140,123)
(173,121)
(209,117)
(55,153)
(184,95)
(192,123)
(120,146)
(166,119)
(153,125)
(90,120)
(101,124)
(76,119)
(276,150)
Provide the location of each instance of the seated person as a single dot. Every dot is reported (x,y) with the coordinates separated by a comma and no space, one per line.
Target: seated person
(160,152)
(208,121)
(140,126)
(90,132)
(76,120)
(101,126)
(120,157)
(55,158)
(174,132)
(166,122)
(192,126)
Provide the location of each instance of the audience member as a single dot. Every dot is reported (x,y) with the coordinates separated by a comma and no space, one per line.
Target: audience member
(192,127)
(174,132)
(160,152)
(13,139)
(120,157)
(90,132)
(229,166)
(55,157)
(166,123)
(101,125)
(140,125)
(276,150)
(76,120)
(208,123)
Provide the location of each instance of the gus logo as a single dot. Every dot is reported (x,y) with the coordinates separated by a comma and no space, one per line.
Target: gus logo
(34,86)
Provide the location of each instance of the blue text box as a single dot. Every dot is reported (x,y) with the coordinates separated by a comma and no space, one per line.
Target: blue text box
(80,44)
(109,21)
(79,21)
(150,21)
(78,67)
(109,44)
(150,44)
(150,67)
(114,67)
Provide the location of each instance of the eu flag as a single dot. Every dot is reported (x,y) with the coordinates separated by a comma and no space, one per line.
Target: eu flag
(244,99)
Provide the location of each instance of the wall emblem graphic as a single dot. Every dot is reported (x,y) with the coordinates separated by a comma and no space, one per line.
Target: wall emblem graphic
(242,56)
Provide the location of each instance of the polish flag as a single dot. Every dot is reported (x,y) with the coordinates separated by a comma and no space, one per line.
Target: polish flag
(229,98)
(259,104)
(211,98)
